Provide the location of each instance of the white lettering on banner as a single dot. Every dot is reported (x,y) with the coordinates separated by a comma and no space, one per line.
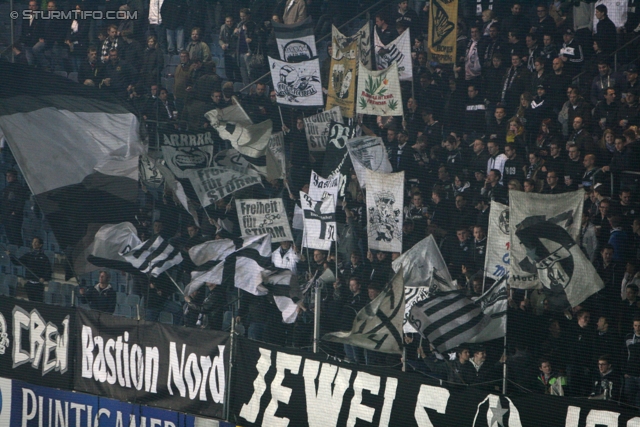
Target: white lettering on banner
(58,413)
(251,410)
(115,360)
(323,406)
(602,418)
(363,381)
(430,397)
(45,341)
(188,140)
(279,393)
(187,370)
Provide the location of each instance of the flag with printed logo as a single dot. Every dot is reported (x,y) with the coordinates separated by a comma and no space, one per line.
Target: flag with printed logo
(398,51)
(379,92)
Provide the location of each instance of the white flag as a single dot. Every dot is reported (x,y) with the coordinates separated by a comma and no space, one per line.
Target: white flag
(385,196)
(112,240)
(296,42)
(425,273)
(379,92)
(398,52)
(498,242)
(319,187)
(364,45)
(260,216)
(544,229)
(297,84)
(317,128)
(368,152)
(378,326)
(276,148)
(212,184)
(319,221)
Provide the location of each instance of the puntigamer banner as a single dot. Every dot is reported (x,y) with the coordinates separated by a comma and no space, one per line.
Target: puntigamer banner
(182,369)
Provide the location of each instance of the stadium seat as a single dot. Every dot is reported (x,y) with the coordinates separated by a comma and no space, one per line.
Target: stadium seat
(4,290)
(61,73)
(5,263)
(132,300)
(51,255)
(121,298)
(54,286)
(73,76)
(165,317)
(123,310)
(12,282)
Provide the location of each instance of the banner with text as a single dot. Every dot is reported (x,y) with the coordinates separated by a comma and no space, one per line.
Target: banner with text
(317,128)
(37,342)
(379,92)
(186,151)
(165,366)
(443,22)
(297,84)
(274,387)
(213,184)
(261,216)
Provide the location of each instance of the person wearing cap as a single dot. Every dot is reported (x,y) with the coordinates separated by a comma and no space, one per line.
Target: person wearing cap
(571,53)
(605,30)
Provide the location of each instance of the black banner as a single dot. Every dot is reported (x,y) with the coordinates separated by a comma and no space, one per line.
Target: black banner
(171,367)
(36,343)
(274,387)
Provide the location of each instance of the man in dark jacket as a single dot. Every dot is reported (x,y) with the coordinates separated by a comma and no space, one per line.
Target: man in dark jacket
(101,297)
(38,270)
(606,33)
(631,369)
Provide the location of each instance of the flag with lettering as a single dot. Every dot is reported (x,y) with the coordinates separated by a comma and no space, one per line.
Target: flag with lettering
(442,40)
(215,183)
(379,92)
(260,216)
(296,42)
(297,84)
(316,127)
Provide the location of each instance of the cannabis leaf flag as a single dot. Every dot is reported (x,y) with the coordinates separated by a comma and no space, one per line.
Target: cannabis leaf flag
(379,92)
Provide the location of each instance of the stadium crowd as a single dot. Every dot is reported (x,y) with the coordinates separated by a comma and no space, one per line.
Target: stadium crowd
(536,102)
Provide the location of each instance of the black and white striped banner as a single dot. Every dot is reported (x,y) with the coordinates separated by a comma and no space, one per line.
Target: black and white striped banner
(155,256)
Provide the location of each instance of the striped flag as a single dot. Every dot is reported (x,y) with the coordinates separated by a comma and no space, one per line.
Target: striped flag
(155,256)
(448,320)
(494,303)
(239,262)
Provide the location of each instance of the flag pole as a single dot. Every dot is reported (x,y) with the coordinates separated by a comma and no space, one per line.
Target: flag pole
(504,351)
(281,119)
(316,316)
(174,282)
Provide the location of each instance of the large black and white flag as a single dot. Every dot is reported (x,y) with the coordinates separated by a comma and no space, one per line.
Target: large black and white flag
(155,256)
(498,242)
(186,151)
(448,320)
(368,152)
(378,326)
(385,197)
(215,183)
(319,187)
(544,229)
(111,241)
(251,141)
(78,150)
(425,273)
(336,158)
(494,303)
(296,42)
(297,84)
(178,190)
(319,221)
(283,286)
(260,216)
(238,262)
(398,51)
(317,126)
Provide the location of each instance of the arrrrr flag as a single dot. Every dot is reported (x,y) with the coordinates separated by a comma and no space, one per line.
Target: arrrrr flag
(319,221)
(544,229)
(155,256)
(494,303)
(379,92)
(297,84)
(78,150)
(295,42)
(238,262)
(368,152)
(498,242)
(385,196)
(425,273)
(378,326)
(448,320)
(187,151)
(398,51)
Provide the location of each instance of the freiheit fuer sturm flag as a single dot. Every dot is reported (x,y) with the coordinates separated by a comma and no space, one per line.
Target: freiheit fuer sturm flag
(298,83)
(379,92)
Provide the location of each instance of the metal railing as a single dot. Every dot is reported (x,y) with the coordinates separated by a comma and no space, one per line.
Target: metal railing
(576,79)
(366,11)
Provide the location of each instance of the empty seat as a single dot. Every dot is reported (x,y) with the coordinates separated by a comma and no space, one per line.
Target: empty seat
(12,282)
(51,255)
(22,250)
(4,290)
(67,289)
(61,73)
(73,76)
(165,317)
(5,263)
(123,310)
(121,298)
(132,300)
(13,249)
(54,287)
